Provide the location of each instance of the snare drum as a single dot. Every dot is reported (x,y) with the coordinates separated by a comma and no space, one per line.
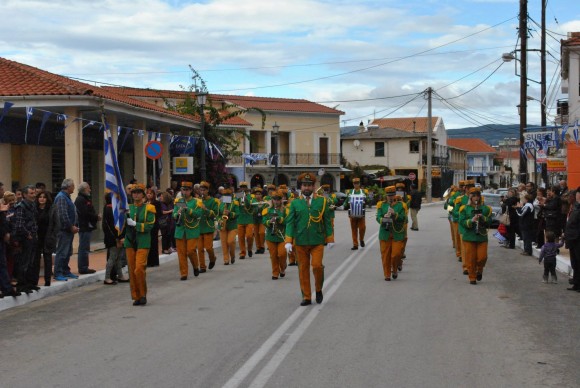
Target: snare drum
(357,205)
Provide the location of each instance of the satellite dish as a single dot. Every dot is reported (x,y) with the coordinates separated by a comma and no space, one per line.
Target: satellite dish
(356,143)
(321,172)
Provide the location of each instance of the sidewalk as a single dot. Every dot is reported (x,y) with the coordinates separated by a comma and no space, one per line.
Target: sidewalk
(98,262)
(562,260)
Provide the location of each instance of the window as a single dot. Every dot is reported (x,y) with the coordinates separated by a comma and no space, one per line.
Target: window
(414,146)
(379,148)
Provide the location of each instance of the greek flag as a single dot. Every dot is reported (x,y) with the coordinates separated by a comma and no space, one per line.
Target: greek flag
(114,182)
(357,203)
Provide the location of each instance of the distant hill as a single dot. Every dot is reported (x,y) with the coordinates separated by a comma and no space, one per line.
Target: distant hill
(492,133)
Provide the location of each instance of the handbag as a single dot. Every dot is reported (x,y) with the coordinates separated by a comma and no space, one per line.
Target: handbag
(504,219)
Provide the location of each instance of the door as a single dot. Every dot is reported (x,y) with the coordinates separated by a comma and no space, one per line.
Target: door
(323,147)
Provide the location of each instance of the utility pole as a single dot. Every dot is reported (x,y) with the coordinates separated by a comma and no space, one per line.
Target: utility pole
(429,147)
(543,102)
(523,31)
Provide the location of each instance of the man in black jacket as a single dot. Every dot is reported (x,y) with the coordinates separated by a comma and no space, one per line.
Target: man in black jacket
(88,219)
(415,207)
(572,237)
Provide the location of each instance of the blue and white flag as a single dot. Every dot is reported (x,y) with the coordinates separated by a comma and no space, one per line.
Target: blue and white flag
(564,130)
(114,182)
(575,132)
(523,153)
(29,112)
(45,117)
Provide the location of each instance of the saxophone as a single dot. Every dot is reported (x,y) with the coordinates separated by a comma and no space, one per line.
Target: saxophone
(276,229)
(479,228)
(224,219)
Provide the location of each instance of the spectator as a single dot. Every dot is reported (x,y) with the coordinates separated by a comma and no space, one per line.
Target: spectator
(88,219)
(166,222)
(572,237)
(153,256)
(415,206)
(525,212)
(18,193)
(553,211)
(114,244)
(68,227)
(548,254)
(539,216)
(521,192)
(563,193)
(24,234)
(44,212)
(2,193)
(509,205)
(10,200)
(531,189)
(40,187)
(5,285)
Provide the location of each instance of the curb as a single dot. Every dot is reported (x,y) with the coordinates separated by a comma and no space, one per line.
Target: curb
(57,287)
(562,262)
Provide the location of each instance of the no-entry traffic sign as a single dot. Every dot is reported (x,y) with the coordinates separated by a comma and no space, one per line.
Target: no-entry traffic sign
(153,149)
(412,176)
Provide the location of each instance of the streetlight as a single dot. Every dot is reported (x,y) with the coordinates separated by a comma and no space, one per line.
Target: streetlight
(276,128)
(201,100)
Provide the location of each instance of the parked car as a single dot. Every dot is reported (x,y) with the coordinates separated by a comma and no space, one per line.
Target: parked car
(493,201)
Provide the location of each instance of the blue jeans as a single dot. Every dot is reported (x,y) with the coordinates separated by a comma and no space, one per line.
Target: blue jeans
(84,249)
(63,253)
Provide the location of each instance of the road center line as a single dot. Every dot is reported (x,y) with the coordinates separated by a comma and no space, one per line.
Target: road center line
(283,351)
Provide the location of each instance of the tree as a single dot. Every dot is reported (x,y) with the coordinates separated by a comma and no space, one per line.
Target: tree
(224,137)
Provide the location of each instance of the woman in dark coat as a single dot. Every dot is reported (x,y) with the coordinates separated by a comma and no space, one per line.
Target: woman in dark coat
(552,211)
(153,257)
(509,205)
(43,220)
(572,237)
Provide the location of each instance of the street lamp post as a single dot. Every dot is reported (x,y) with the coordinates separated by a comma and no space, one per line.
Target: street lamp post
(201,100)
(276,128)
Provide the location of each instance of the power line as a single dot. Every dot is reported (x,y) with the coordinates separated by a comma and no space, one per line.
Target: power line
(479,84)
(481,68)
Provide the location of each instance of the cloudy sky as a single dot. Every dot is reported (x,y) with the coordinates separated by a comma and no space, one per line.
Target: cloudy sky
(370,58)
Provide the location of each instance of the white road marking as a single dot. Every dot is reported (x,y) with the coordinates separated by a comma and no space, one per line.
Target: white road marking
(283,351)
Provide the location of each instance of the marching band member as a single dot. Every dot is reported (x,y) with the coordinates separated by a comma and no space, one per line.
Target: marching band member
(228,225)
(274,218)
(455,218)
(308,226)
(474,219)
(460,202)
(287,198)
(448,208)
(405,198)
(259,229)
(139,221)
(391,218)
(209,207)
(355,203)
(245,221)
(187,213)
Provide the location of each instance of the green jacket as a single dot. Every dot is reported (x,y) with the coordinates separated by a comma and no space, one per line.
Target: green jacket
(232,222)
(139,236)
(332,201)
(246,210)
(267,215)
(469,227)
(456,206)
(397,227)
(188,226)
(208,216)
(309,225)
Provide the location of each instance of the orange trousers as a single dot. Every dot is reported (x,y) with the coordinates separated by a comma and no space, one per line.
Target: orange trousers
(310,255)
(358,228)
(277,257)
(391,252)
(245,238)
(452,233)
(137,262)
(457,239)
(187,249)
(228,240)
(205,244)
(475,257)
(260,235)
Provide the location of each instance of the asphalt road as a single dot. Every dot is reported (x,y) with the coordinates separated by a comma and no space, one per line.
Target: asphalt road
(234,326)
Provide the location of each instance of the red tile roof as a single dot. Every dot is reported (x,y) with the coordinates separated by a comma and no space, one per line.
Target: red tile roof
(574,40)
(512,154)
(411,124)
(472,145)
(17,79)
(264,103)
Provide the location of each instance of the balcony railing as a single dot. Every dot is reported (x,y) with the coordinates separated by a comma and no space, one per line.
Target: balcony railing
(435,160)
(484,169)
(292,160)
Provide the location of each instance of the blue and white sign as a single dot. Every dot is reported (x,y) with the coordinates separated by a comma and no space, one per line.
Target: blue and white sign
(540,140)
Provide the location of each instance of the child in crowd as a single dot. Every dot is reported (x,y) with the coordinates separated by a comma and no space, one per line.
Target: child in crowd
(548,253)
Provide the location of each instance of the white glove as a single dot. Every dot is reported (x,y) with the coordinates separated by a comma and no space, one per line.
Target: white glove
(330,245)
(130,222)
(288,247)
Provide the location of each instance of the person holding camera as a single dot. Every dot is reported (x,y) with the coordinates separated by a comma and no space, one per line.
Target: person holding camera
(475,219)
(392,217)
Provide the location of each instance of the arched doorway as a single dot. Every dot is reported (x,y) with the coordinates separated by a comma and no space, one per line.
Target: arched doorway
(257,181)
(282,180)
(327,179)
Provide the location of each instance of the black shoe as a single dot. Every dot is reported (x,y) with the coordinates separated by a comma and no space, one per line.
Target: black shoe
(34,288)
(292,264)
(459,259)
(274,278)
(137,303)
(233,260)
(211,264)
(242,257)
(387,279)
(472,282)
(404,256)
(479,276)
(195,272)
(282,274)
(305,302)
(362,243)
(319,297)
(399,268)
(143,301)
(87,271)
(250,253)
(111,283)
(227,263)
(202,270)
(183,278)
(395,276)
(573,288)
(465,272)
(354,248)
(46,284)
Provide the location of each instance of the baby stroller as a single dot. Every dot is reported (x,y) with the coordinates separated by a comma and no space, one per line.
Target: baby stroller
(501,234)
